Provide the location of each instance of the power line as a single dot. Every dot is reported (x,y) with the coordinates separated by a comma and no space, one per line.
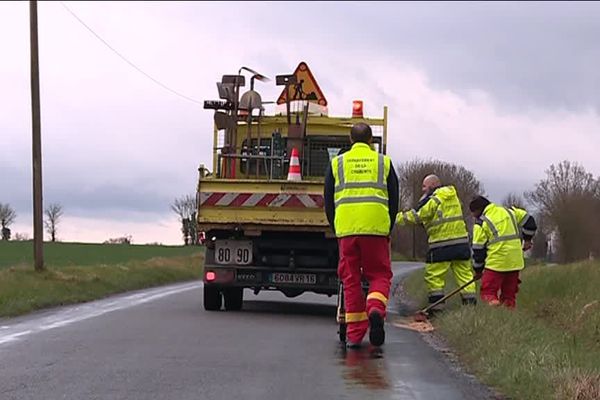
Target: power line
(127,60)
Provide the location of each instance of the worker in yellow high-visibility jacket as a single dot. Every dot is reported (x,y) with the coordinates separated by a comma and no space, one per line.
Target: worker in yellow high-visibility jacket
(361,203)
(499,238)
(440,212)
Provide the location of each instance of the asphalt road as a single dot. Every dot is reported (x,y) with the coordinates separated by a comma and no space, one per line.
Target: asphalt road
(161,344)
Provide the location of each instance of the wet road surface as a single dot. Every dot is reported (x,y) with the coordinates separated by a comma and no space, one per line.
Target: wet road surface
(161,344)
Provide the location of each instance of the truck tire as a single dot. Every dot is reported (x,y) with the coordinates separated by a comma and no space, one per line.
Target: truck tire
(212,299)
(234,298)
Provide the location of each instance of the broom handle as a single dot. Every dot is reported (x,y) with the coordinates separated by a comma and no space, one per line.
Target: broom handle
(446,297)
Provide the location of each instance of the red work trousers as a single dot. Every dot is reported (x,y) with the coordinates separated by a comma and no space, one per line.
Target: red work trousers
(507,283)
(368,257)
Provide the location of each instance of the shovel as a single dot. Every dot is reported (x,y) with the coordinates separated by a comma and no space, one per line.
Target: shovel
(422,315)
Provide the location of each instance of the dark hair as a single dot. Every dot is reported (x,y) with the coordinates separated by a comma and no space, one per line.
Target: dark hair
(361,133)
(479,203)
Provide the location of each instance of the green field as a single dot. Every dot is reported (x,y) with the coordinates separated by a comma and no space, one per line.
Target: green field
(81,272)
(548,348)
(70,254)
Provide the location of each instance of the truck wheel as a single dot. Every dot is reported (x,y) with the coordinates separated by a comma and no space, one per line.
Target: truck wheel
(234,298)
(212,298)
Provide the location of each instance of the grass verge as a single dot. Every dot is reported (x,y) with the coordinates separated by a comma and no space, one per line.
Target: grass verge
(67,281)
(548,348)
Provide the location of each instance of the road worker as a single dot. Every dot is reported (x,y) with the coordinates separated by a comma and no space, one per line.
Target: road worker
(500,236)
(361,203)
(440,212)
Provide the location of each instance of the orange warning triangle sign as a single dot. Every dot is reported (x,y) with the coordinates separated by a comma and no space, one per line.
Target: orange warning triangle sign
(306,88)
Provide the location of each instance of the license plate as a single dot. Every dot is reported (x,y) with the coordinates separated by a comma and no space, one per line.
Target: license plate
(233,252)
(284,277)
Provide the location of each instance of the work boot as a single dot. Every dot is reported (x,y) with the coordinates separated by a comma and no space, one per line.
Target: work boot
(432,298)
(376,331)
(353,346)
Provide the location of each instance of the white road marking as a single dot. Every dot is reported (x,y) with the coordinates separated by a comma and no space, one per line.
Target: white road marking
(70,315)
(10,333)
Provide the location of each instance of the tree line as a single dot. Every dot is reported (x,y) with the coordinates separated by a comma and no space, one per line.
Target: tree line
(565,203)
(53,214)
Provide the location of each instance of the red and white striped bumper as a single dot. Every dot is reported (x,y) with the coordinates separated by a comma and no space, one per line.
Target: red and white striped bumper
(261,200)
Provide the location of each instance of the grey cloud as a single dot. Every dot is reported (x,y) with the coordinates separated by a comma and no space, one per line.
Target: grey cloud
(497,188)
(149,194)
(535,55)
(539,55)
(109,198)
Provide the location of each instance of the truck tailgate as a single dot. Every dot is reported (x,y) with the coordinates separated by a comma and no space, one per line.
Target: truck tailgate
(259,203)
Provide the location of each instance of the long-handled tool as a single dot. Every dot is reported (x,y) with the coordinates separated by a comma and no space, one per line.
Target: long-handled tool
(421,316)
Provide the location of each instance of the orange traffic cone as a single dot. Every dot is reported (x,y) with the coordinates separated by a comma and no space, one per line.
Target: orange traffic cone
(294,171)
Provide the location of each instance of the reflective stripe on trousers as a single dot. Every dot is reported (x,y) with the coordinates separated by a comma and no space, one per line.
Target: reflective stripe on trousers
(378,296)
(356,317)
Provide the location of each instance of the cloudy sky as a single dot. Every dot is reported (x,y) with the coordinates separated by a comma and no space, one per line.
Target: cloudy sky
(504,89)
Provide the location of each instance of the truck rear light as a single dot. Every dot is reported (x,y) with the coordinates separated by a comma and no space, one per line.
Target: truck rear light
(210,276)
(219,276)
(357,109)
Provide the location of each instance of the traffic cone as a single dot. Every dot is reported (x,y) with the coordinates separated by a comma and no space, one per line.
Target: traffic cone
(294,171)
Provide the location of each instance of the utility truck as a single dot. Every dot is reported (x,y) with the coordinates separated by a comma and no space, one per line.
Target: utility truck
(264,228)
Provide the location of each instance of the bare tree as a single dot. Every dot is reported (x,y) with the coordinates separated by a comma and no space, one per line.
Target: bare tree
(186,207)
(412,173)
(513,200)
(412,241)
(54,213)
(569,201)
(7,217)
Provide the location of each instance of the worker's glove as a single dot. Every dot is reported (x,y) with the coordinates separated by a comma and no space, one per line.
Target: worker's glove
(478,268)
(527,245)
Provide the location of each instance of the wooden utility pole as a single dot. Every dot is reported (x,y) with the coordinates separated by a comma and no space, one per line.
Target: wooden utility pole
(38,231)
(414,226)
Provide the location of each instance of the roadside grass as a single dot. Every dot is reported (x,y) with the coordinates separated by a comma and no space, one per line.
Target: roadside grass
(548,348)
(72,277)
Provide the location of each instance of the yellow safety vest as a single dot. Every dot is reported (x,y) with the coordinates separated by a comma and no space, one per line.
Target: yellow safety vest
(499,233)
(441,216)
(361,197)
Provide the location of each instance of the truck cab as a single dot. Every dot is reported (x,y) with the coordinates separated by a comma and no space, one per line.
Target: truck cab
(265,230)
